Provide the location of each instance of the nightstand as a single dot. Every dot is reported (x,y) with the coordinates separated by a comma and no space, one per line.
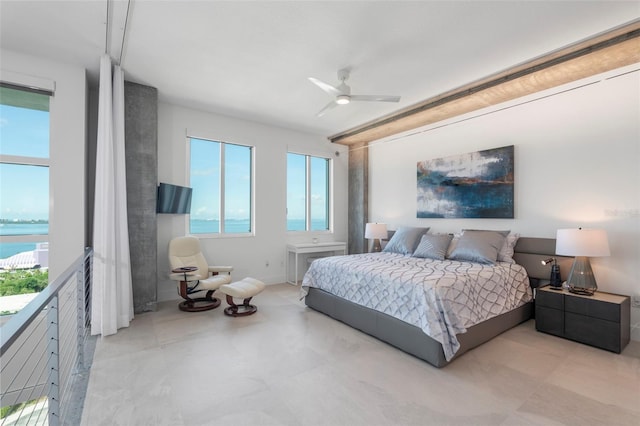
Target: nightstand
(601,320)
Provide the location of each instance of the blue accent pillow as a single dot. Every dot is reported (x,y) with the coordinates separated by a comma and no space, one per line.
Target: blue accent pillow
(405,240)
(433,246)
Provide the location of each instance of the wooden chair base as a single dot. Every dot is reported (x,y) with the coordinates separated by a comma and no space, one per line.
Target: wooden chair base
(197,304)
(240,310)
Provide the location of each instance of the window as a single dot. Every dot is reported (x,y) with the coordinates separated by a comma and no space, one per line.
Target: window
(308,196)
(221,175)
(24,190)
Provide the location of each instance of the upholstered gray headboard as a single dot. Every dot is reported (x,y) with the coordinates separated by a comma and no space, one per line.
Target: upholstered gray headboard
(530,252)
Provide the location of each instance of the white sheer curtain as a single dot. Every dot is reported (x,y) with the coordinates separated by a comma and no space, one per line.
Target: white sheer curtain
(112,294)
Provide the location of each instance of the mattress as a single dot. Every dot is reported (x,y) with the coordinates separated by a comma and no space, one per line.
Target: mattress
(442,298)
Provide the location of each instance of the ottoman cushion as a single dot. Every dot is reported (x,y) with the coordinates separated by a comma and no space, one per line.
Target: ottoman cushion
(243,289)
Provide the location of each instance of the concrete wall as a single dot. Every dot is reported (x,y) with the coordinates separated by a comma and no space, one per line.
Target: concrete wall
(141,151)
(358,197)
(577,157)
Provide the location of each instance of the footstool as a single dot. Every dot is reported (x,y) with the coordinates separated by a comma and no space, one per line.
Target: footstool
(243,289)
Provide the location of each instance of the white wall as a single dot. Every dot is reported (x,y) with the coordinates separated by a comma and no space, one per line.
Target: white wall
(248,255)
(577,163)
(68,117)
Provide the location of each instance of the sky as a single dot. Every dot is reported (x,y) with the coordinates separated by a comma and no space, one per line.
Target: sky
(205,181)
(296,191)
(296,187)
(24,189)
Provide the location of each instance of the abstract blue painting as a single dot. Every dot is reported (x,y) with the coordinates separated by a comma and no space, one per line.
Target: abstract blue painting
(474,185)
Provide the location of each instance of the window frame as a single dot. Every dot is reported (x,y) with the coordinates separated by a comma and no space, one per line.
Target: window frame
(221,206)
(330,202)
(22,160)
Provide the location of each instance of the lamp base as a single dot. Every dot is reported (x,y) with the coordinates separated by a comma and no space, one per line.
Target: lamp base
(581,279)
(582,291)
(377,247)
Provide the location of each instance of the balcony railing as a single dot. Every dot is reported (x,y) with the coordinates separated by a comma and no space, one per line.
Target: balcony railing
(42,357)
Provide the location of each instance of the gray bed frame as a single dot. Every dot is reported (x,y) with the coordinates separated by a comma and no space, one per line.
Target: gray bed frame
(529,252)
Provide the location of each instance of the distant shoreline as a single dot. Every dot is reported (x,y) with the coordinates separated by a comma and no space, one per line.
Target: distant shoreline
(24,221)
(19,228)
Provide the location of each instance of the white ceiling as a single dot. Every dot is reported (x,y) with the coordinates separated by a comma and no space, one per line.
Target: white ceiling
(252,59)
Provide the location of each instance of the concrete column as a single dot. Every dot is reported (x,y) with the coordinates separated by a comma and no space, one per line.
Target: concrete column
(141,151)
(358,197)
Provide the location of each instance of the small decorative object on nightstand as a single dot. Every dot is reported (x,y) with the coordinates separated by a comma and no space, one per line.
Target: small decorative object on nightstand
(376,232)
(554,278)
(582,243)
(601,320)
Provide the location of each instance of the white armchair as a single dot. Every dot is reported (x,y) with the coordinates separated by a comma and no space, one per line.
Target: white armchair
(193,275)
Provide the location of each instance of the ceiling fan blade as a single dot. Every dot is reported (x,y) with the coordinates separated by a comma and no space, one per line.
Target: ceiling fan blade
(325,86)
(375,98)
(329,106)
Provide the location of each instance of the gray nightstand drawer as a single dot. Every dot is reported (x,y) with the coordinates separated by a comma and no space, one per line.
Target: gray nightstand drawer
(593,308)
(549,320)
(601,320)
(592,331)
(550,299)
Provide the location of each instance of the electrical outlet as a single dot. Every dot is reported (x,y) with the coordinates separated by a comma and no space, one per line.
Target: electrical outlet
(635,301)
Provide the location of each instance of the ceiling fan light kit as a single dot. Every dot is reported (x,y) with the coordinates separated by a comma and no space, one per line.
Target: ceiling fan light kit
(343,99)
(342,93)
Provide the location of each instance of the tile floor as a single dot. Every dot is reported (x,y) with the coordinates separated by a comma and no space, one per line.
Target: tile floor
(290,365)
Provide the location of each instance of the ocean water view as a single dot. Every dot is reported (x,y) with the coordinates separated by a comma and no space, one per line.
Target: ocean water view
(197,226)
(202,226)
(20,228)
(298,225)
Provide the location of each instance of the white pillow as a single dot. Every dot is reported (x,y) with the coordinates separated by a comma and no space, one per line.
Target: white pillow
(506,252)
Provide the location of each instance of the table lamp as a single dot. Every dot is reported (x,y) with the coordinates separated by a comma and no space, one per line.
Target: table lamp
(376,232)
(582,243)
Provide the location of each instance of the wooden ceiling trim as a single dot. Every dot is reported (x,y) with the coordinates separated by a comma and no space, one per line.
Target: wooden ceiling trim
(602,53)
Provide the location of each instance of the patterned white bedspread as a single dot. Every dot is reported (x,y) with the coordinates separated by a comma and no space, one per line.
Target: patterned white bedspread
(443,298)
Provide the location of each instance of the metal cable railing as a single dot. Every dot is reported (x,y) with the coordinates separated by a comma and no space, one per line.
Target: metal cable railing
(42,353)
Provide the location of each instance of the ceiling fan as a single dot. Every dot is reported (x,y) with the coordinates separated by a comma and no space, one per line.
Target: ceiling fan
(343,94)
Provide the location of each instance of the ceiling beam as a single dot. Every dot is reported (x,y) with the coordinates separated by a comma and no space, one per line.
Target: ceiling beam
(604,52)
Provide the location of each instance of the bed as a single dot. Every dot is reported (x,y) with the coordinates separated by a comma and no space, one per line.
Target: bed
(429,315)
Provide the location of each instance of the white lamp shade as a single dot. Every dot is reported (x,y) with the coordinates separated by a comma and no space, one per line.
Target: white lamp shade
(582,242)
(375,230)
